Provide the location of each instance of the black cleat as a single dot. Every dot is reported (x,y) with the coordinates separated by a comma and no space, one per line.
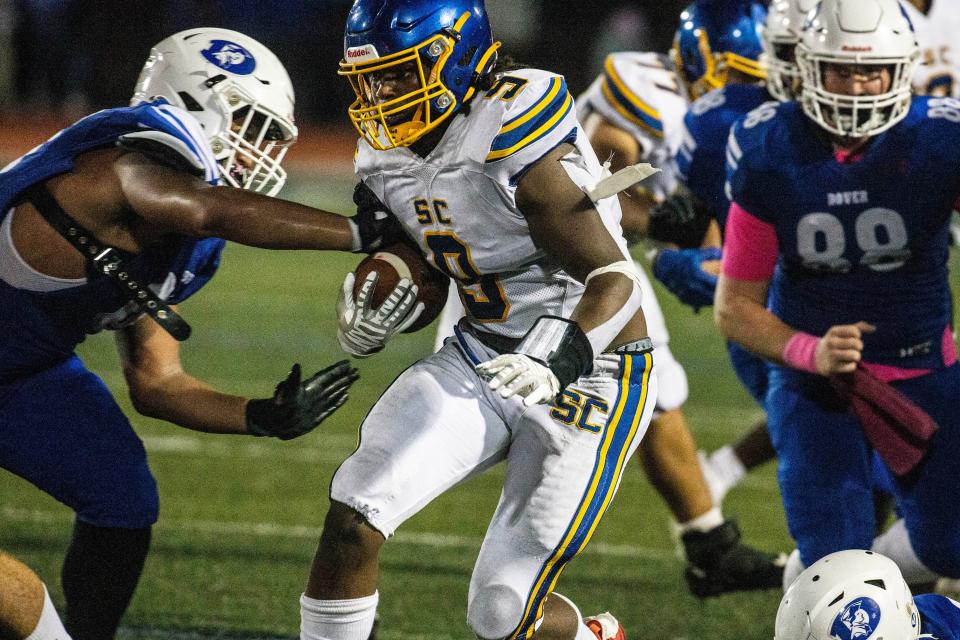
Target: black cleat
(717,562)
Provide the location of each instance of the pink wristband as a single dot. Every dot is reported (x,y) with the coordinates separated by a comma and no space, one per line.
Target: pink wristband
(800,352)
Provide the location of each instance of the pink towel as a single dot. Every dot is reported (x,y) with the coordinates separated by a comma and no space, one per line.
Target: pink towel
(897,429)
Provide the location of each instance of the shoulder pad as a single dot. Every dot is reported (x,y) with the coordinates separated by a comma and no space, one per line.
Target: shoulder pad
(163,148)
(639,91)
(180,125)
(538,115)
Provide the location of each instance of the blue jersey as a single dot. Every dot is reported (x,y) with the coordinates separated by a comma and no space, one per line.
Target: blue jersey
(939,617)
(865,240)
(700,160)
(40,328)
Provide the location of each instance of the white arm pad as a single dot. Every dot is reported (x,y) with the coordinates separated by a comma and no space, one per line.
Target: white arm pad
(602,335)
(626,267)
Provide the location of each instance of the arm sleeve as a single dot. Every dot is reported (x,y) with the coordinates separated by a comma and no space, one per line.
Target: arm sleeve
(750,246)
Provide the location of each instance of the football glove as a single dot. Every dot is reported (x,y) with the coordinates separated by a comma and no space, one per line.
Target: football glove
(681,272)
(374,226)
(363,330)
(681,220)
(516,374)
(553,354)
(298,407)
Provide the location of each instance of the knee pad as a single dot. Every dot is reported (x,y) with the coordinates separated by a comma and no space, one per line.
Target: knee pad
(673,389)
(495,611)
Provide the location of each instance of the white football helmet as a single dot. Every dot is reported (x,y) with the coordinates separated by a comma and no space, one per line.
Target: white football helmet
(239,92)
(857,32)
(785,21)
(848,595)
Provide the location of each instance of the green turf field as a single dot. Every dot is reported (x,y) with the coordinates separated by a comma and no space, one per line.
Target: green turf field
(240,516)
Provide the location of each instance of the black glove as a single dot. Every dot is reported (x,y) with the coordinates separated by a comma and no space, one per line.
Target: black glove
(376,225)
(679,219)
(298,407)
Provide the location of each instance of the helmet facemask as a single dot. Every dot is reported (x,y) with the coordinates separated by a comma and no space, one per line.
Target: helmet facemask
(401,120)
(253,143)
(855,116)
(783,74)
(868,38)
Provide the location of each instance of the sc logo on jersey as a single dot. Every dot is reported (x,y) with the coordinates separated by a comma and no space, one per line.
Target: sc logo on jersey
(857,620)
(230,56)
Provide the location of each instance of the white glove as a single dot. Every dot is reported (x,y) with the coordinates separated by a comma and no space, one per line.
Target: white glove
(363,330)
(517,374)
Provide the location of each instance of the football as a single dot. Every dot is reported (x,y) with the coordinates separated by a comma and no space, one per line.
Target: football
(401,260)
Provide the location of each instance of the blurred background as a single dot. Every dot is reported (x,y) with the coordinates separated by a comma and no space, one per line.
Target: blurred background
(240,517)
(68,57)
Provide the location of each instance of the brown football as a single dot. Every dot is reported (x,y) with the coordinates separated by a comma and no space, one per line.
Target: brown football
(402,260)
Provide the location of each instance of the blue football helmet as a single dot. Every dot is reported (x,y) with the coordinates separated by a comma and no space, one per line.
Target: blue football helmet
(715,36)
(413,64)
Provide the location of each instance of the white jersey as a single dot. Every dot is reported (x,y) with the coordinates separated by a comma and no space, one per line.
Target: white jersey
(459,203)
(937,23)
(638,93)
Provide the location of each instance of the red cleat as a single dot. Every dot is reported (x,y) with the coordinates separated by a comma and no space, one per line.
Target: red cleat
(605,626)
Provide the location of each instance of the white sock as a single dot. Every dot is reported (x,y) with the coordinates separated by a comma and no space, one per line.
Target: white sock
(702,523)
(49,627)
(337,619)
(793,569)
(727,466)
(895,544)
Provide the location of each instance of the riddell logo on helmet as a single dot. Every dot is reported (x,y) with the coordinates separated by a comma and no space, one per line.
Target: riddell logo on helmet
(359,54)
(848,47)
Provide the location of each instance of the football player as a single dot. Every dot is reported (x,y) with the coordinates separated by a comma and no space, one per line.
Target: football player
(634,112)
(936,75)
(701,165)
(824,218)
(861,594)
(936,23)
(26,611)
(551,371)
(108,225)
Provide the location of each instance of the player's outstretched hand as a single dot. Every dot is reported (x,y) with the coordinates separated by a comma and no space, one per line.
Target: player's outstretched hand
(297,407)
(516,374)
(364,330)
(841,347)
(682,271)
